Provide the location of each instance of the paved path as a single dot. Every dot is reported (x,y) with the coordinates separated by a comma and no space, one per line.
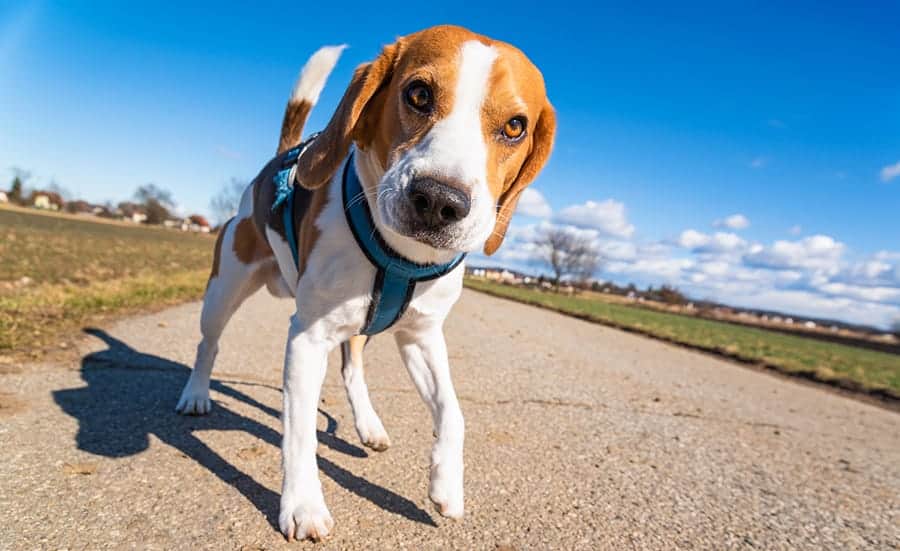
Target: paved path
(579,437)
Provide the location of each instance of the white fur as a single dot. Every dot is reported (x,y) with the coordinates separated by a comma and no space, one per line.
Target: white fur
(332,298)
(315,73)
(368,425)
(234,283)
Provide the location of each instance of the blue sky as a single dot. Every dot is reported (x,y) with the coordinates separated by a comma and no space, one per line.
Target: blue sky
(670,118)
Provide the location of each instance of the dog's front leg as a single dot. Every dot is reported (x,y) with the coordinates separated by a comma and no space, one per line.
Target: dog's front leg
(425,356)
(303,511)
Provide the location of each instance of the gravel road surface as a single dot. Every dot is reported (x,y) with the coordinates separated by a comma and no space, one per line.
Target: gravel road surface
(578,437)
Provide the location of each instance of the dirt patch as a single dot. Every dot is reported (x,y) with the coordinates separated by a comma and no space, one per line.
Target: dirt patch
(11,405)
(80,468)
(252,452)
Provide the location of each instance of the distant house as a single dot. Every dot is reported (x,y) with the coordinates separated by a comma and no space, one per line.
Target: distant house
(195,223)
(3,197)
(47,200)
(79,207)
(498,274)
(133,212)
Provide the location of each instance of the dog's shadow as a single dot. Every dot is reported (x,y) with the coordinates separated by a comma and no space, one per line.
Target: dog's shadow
(131,395)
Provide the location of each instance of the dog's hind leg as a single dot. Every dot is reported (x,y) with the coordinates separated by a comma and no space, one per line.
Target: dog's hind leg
(368,425)
(231,281)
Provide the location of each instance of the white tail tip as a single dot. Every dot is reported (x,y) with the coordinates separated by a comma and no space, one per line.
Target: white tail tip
(315,73)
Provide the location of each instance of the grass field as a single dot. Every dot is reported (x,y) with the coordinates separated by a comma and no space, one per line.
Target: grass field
(846,366)
(58,273)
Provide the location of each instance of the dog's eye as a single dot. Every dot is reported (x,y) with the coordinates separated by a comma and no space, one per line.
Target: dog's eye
(419,97)
(514,128)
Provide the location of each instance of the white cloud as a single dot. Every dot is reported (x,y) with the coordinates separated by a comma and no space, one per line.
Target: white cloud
(607,216)
(880,269)
(719,242)
(533,203)
(816,305)
(759,162)
(725,242)
(734,222)
(871,269)
(667,268)
(692,239)
(819,252)
(617,250)
(813,276)
(890,172)
(861,292)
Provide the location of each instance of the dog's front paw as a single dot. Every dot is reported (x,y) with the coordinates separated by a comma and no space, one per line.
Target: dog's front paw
(304,518)
(372,434)
(194,401)
(446,489)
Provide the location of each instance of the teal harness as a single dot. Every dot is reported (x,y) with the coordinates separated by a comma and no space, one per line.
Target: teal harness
(396,277)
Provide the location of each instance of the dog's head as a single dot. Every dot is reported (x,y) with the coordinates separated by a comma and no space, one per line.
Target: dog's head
(452,127)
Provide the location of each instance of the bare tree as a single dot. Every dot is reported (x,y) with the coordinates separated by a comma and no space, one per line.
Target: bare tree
(157,202)
(152,192)
(225,203)
(568,254)
(17,191)
(58,189)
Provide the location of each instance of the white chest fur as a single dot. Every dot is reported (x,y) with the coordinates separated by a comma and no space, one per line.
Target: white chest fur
(334,294)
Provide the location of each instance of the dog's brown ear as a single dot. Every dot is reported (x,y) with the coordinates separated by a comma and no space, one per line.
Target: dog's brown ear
(541,145)
(323,157)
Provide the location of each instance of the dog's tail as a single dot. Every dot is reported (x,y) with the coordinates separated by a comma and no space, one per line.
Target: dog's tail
(306,93)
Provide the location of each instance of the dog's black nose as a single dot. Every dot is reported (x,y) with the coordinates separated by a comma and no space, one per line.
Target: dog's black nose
(437,204)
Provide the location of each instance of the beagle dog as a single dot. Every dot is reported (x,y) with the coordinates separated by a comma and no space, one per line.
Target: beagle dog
(441,133)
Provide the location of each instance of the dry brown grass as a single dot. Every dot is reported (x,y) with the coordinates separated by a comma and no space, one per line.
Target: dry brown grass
(58,273)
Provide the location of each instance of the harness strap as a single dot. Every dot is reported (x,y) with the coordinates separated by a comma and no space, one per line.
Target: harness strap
(286,192)
(396,278)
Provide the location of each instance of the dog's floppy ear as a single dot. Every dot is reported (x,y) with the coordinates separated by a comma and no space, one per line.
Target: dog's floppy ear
(541,145)
(323,157)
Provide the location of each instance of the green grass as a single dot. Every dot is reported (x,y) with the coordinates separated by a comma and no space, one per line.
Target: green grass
(59,273)
(847,366)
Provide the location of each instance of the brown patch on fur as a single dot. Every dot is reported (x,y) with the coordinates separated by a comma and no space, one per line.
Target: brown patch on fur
(357,344)
(307,233)
(217,254)
(249,246)
(264,195)
(541,145)
(295,115)
(516,89)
